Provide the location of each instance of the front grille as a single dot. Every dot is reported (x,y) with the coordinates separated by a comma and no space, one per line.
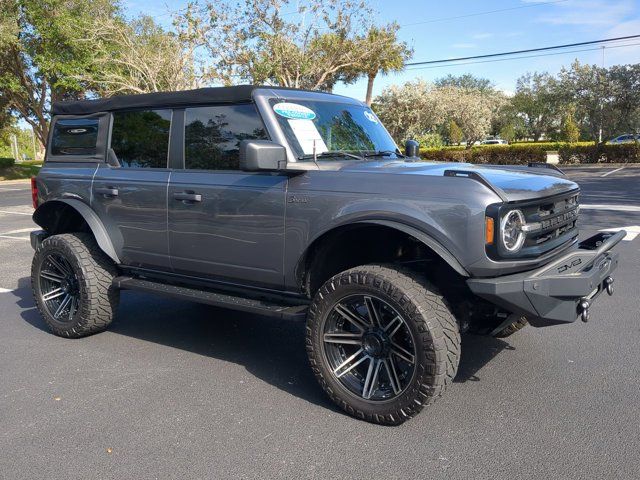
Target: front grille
(556,220)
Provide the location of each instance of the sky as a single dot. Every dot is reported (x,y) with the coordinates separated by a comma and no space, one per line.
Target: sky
(460,28)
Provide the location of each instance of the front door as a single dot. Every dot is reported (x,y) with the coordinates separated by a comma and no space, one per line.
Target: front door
(130,193)
(225,224)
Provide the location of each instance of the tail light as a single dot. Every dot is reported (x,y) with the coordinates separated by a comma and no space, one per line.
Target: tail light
(34,192)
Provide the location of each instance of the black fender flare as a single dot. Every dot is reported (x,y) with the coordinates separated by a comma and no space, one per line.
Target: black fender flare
(429,241)
(95,224)
(449,258)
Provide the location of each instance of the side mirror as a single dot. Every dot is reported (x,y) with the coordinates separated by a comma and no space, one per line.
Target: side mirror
(257,155)
(411,148)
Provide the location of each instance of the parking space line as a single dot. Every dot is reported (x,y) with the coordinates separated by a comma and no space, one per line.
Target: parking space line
(20,230)
(5,290)
(15,213)
(602,206)
(13,189)
(15,238)
(612,171)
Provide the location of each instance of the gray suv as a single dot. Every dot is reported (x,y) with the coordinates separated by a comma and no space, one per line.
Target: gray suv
(299,205)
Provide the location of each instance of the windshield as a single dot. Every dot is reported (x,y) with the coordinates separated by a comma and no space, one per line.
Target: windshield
(320,126)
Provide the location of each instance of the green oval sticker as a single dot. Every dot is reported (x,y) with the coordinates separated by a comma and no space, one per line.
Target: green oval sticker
(294,111)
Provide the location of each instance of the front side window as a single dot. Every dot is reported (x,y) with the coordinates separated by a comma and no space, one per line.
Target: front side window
(77,136)
(213,134)
(331,126)
(140,139)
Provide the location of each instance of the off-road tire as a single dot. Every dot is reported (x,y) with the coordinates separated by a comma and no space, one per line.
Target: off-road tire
(98,298)
(426,313)
(512,328)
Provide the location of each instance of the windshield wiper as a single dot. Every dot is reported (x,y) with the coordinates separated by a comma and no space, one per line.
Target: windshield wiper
(331,153)
(384,153)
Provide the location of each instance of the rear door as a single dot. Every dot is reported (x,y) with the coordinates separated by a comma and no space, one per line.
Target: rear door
(225,224)
(129,192)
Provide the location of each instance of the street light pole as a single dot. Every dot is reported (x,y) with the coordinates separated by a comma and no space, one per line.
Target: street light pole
(601,103)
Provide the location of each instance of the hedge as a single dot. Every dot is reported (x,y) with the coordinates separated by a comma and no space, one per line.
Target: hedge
(624,153)
(523,153)
(6,162)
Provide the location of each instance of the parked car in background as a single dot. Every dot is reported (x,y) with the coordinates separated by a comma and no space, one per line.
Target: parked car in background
(494,141)
(626,138)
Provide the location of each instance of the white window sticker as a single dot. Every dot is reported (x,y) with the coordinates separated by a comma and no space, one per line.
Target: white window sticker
(307,134)
(370,116)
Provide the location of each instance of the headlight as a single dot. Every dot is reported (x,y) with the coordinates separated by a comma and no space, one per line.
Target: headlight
(511,232)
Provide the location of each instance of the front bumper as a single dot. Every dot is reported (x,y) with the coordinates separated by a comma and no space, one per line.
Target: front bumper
(560,291)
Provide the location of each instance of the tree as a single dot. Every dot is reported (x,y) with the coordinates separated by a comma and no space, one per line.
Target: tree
(471,110)
(313,46)
(466,82)
(137,57)
(384,54)
(410,110)
(625,89)
(587,88)
(570,131)
(537,102)
(508,132)
(455,133)
(40,57)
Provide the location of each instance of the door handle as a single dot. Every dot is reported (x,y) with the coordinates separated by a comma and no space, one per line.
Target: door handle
(107,192)
(187,197)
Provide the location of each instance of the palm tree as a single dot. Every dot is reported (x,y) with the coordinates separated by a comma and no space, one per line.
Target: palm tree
(384,54)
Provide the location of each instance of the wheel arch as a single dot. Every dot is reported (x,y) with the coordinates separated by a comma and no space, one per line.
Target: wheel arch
(325,244)
(69,215)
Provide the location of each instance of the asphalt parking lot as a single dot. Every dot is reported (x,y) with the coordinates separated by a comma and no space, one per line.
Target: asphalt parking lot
(179,390)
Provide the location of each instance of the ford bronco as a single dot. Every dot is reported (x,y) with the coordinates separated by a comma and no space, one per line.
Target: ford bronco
(299,205)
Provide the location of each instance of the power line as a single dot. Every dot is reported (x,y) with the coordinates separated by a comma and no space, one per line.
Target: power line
(525,56)
(529,50)
(477,14)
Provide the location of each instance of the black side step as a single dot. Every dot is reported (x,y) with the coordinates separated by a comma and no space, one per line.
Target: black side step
(259,307)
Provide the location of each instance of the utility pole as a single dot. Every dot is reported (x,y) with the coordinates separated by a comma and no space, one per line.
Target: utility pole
(601,102)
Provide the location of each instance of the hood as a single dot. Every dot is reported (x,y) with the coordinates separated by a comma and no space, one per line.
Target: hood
(516,183)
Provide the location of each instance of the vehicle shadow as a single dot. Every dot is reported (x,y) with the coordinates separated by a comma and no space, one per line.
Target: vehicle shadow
(272,350)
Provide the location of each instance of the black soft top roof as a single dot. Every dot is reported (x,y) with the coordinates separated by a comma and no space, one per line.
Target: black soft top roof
(235,94)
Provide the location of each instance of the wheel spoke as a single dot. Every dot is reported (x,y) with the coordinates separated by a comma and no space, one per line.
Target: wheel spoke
(374,318)
(349,363)
(345,338)
(348,315)
(390,367)
(59,266)
(73,307)
(63,304)
(406,355)
(393,326)
(55,293)
(51,276)
(371,381)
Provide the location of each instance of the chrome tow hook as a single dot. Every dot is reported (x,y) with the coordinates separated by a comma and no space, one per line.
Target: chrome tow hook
(584,310)
(608,284)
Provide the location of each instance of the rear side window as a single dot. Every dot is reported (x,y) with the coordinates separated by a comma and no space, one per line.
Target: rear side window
(74,136)
(213,135)
(140,139)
